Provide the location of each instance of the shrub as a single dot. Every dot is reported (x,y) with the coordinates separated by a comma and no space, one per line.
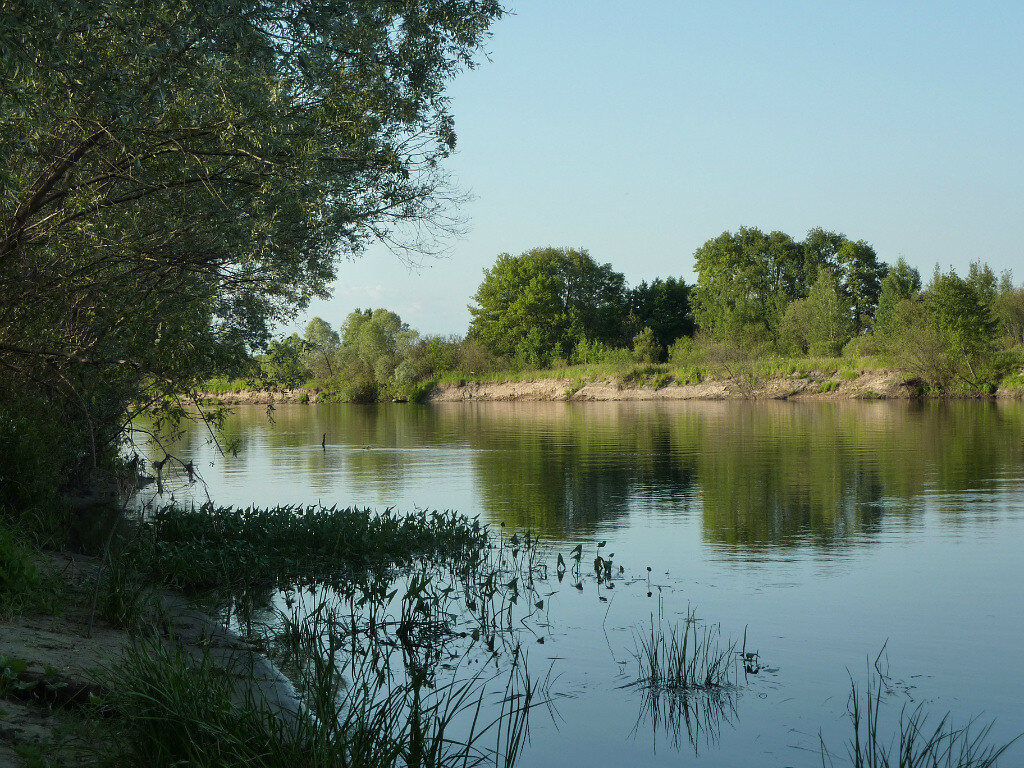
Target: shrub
(646,348)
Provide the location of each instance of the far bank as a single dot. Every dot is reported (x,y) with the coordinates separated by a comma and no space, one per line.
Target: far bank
(641,384)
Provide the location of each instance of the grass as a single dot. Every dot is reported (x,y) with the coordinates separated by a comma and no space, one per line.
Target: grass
(685,656)
(170,707)
(23,589)
(919,740)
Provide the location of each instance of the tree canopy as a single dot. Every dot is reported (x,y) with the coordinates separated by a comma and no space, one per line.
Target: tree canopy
(544,301)
(177,177)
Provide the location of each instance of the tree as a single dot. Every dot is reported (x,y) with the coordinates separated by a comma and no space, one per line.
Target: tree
(821,251)
(176,178)
(373,345)
(744,281)
(664,307)
(284,362)
(795,327)
(322,344)
(861,276)
(901,282)
(1009,309)
(829,322)
(964,320)
(542,302)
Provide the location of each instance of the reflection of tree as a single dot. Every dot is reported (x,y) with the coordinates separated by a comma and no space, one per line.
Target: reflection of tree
(561,469)
(785,473)
(761,474)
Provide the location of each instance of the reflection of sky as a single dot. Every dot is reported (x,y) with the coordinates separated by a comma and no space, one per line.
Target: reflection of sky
(923,552)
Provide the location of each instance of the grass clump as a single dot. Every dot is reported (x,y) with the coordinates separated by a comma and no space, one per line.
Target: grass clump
(23,589)
(685,656)
(171,707)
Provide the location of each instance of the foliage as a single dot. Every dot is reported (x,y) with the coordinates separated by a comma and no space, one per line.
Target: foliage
(321,348)
(284,363)
(663,306)
(646,348)
(176,178)
(22,587)
(962,314)
(829,323)
(212,547)
(541,303)
(744,282)
(900,282)
(861,275)
(1009,309)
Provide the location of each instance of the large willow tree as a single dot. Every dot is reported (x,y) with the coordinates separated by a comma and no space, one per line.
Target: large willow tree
(177,177)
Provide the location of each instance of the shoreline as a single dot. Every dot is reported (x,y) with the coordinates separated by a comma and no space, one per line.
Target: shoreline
(817,385)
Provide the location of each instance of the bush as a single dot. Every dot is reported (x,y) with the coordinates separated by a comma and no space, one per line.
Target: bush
(684,351)
(646,348)
(38,454)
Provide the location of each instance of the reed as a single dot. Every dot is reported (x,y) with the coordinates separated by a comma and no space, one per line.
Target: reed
(683,656)
(918,740)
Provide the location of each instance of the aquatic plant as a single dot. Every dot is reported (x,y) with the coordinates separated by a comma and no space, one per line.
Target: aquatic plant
(689,655)
(211,547)
(171,707)
(919,740)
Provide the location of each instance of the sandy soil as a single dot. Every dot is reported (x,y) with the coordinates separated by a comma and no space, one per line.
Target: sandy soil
(871,385)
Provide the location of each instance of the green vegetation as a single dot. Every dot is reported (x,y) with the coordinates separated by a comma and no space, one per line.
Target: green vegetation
(22,588)
(918,738)
(762,303)
(689,655)
(172,709)
(217,547)
(176,180)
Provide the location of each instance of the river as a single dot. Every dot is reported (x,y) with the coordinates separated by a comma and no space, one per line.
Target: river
(824,530)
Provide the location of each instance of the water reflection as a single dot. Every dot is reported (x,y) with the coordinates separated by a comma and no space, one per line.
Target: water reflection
(757,474)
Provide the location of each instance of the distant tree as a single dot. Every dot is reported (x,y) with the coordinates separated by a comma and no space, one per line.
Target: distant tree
(795,327)
(860,280)
(821,251)
(828,315)
(284,362)
(983,282)
(901,282)
(963,317)
(646,348)
(744,281)
(1009,309)
(322,344)
(664,307)
(373,344)
(542,302)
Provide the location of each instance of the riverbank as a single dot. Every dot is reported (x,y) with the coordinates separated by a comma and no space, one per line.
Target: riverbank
(58,668)
(651,383)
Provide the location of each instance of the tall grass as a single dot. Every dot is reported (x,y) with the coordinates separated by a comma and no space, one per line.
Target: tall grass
(684,656)
(918,740)
(177,708)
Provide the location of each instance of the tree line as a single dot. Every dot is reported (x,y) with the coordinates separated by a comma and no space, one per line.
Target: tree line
(757,295)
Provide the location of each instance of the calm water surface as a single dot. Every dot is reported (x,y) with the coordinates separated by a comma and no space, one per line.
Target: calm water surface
(825,529)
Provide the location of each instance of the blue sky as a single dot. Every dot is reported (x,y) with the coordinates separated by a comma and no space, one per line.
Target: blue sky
(640,130)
